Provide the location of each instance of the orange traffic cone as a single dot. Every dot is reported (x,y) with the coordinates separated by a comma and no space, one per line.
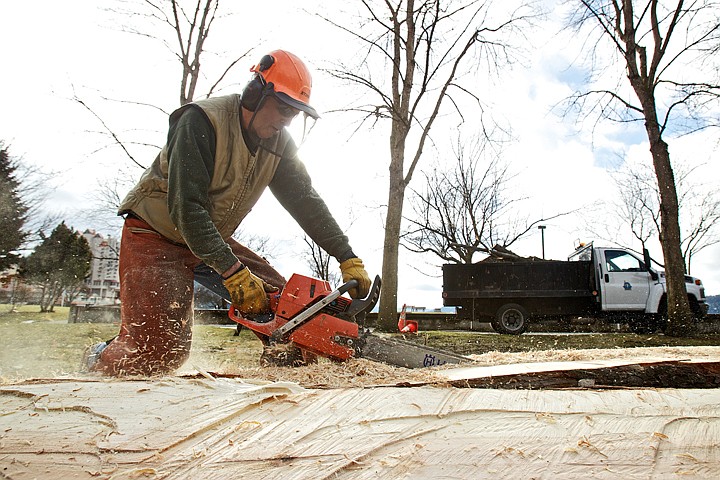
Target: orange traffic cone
(404,325)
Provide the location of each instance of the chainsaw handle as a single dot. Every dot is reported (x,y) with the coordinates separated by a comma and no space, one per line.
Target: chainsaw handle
(273,301)
(345,287)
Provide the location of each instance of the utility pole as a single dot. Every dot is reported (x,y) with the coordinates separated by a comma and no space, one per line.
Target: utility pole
(542,235)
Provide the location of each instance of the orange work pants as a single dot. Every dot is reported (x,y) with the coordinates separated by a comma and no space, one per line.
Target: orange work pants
(156,295)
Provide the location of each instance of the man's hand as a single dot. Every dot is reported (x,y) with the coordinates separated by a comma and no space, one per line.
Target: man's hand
(353,269)
(248,292)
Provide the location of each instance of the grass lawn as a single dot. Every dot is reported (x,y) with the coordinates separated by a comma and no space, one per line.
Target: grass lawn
(467,343)
(44,345)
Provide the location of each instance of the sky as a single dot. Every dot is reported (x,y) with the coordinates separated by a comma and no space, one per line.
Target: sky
(53,51)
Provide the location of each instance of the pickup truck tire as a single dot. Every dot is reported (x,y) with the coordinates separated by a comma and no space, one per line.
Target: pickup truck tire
(510,319)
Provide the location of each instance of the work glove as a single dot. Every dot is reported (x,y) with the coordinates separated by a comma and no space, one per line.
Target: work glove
(353,269)
(248,292)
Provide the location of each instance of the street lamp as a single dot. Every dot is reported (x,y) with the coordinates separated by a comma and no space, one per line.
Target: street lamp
(542,234)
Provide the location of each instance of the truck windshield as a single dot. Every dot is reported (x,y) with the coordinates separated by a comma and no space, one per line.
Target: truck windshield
(620,261)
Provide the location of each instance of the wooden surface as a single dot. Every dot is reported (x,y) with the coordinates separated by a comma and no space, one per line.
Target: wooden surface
(180,427)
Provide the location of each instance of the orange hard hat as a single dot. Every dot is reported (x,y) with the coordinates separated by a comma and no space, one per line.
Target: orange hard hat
(290,79)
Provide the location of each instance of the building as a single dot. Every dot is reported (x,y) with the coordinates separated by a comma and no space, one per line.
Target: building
(103,283)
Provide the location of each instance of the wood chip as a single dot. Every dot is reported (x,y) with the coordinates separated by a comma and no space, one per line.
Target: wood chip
(327,374)
(364,373)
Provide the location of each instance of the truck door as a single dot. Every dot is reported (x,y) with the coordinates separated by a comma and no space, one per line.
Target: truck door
(624,282)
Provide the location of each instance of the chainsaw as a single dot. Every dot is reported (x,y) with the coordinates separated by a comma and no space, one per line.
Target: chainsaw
(310,315)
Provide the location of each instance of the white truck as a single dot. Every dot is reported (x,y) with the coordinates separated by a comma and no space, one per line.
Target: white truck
(610,283)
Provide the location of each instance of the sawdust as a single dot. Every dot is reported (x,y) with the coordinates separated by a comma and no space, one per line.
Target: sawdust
(504,358)
(358,373)
(362,373)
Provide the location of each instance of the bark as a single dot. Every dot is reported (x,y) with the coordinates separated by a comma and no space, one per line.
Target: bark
(401,93)
(680,316)
(643,80)
(643,374)
(387,318)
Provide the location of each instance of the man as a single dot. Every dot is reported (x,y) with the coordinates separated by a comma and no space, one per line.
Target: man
(221,154)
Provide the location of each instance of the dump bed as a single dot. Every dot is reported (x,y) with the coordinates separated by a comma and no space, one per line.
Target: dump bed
(546,278)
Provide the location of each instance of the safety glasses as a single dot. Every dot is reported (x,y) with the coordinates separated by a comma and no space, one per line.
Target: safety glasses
(286,111)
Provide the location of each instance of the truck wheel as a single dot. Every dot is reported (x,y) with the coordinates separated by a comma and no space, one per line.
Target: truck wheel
(511,319)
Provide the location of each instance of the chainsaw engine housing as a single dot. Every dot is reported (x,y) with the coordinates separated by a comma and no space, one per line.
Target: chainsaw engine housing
(323,333)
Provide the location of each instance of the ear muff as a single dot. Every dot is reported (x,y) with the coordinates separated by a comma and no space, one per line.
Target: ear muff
(252,92)
(256,87)
(266,62)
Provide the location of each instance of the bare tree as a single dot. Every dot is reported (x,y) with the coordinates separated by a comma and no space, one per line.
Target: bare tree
(662,46)
(638,209)
(183,27)
(424,49)
(703,220)
(18,292)
(260,244)
(188,23)
(319,262)
(466,209)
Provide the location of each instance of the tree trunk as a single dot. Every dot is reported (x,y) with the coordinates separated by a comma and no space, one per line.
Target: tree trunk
(388,297)
(680,317)
(387,313)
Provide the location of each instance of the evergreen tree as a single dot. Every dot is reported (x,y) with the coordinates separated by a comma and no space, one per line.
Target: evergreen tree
(58,265)
(13,212)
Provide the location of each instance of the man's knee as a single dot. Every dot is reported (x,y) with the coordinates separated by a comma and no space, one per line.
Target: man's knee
(131,356)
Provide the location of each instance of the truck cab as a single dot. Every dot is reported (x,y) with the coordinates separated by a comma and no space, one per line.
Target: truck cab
(628,283)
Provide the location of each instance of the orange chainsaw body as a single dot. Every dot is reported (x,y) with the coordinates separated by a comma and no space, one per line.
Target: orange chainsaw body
(323,333)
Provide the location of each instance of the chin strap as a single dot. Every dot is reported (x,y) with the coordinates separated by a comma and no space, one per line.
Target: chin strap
(259,105)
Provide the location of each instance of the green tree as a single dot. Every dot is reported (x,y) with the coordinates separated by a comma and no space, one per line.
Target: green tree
(13,212)
(58,265)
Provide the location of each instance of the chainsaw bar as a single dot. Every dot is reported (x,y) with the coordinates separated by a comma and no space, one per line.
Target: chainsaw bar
(402,353)
(317,319)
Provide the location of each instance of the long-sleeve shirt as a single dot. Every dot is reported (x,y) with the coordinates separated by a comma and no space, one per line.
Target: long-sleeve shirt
(191,147)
